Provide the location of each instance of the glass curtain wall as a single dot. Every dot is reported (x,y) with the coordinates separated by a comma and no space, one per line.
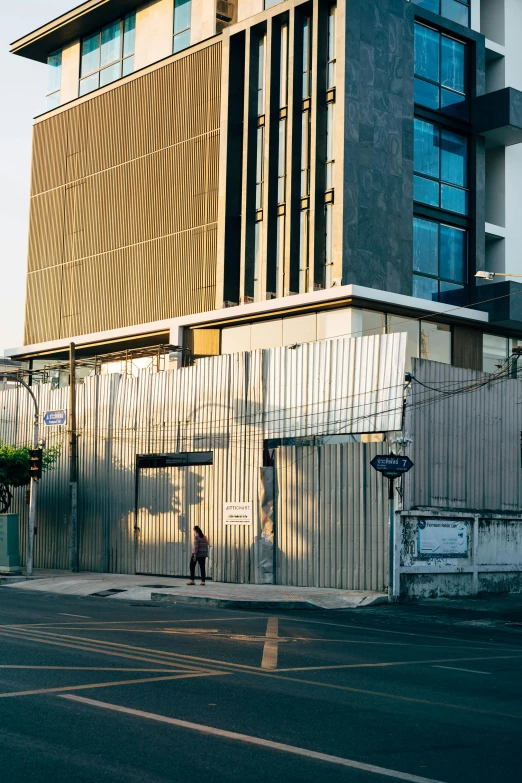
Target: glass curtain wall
(54,78)
(456,10)
(260,165)
(108,54)
(325,277)
(281,159)
(304,225)
(440,72)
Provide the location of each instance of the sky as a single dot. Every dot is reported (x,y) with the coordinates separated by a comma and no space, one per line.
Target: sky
(22,85)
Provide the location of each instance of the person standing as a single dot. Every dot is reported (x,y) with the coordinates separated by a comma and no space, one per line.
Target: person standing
(199,555)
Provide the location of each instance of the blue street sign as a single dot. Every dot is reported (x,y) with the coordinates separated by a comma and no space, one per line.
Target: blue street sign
(391,466)
(55,418)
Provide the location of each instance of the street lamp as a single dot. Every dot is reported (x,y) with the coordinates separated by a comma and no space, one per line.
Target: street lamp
(33,481)
(490,275)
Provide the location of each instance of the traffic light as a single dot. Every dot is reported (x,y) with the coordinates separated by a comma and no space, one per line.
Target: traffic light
(35,469)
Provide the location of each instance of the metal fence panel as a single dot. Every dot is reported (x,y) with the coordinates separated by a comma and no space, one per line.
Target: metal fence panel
(331,522)
(465,442)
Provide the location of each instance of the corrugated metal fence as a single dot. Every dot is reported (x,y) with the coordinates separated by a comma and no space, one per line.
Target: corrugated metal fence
(331,517)
(225,404)
(465,440)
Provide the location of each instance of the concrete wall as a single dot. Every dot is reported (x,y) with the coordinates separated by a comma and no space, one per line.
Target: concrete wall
(248,8)
(493,562)
(154,31)
(203,20)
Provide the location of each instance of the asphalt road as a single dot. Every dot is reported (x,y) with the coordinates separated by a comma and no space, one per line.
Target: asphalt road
(98,690)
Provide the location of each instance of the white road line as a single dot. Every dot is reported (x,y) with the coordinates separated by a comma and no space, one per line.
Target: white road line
(271,647)
(458,669)
(84,616)
(233,735)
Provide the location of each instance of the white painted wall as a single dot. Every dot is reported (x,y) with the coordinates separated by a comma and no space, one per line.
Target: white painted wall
(513,65)
(70,72)
(154,32)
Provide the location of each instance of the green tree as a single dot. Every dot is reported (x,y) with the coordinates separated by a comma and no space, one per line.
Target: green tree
(14,469)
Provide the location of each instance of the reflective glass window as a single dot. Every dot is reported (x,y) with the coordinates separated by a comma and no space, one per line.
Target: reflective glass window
(427,53)
(129,35)
(54,71)
(440,71)
(90,54)
(373,322)
(110,44)
(397,323)
(108,55)
(53,100)
(439,260)
(452,64)
(456,10)
(435,342)
(182,9)
(494,352)
(425,246)
(181,41)
(440,155)
(452,257)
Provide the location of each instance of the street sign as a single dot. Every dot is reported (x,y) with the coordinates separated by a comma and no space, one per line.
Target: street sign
(55,418)
(442,538)
(391,466)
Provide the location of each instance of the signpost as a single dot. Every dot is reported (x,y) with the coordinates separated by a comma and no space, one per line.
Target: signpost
(392,467)
(55,418)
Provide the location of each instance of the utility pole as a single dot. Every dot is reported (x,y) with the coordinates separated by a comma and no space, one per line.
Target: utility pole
(73,461)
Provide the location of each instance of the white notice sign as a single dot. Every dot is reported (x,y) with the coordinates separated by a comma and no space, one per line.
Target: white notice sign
(442,538)
(237,514)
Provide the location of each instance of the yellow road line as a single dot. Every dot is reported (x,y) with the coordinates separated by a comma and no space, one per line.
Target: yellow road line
(85,668)
(257,741)
(114,684)
(271,646)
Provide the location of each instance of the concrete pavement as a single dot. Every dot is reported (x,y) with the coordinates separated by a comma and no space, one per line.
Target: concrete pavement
(173,590)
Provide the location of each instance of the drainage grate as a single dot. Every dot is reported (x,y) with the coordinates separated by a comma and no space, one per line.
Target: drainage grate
(160,587)
(112,591)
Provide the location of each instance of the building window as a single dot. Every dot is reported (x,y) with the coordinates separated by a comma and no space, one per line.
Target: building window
(323,277)
(182,13)
(271,3)
(304,228)
(440,72)
(54,78)
(456,10)
(108,54)
(440,164)
(439,260)
(496,350)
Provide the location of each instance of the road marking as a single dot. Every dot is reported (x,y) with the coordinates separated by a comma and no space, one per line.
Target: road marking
(387,630)
(132,622)
(271,648)
(233,735)
(165,669)
(458,669)
(398,663)
(243,669)
(276,676)
(66,614)
(114,684)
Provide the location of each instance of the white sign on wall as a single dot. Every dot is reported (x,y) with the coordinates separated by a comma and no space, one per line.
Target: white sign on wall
(442,538)
(238,514)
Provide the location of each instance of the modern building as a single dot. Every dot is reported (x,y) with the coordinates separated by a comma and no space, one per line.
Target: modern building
(223,176)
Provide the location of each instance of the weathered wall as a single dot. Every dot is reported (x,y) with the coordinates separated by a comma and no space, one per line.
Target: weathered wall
(493,562)
(124,203)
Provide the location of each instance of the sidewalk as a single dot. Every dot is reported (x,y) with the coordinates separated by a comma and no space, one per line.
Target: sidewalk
(169,590)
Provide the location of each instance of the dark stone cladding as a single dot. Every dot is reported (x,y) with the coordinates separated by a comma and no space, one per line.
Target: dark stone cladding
(378,143)
(378,146)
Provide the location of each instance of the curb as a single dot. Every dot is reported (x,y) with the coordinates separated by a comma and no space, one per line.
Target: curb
(11,580)
(230,603)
